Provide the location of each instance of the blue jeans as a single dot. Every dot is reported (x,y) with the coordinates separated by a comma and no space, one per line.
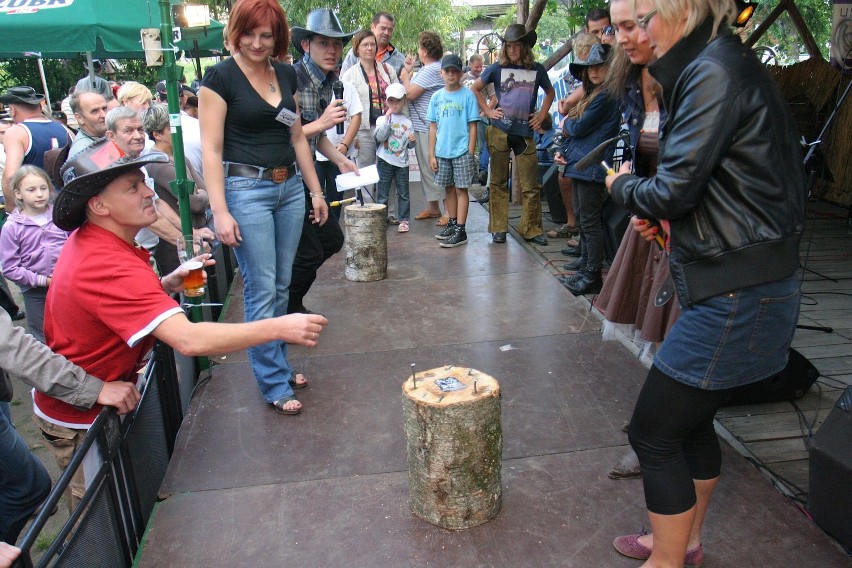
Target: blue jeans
(387,174)
(270,218)
(24,483)
(483,146)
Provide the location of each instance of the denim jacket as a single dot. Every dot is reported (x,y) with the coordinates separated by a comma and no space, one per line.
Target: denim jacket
(599,122)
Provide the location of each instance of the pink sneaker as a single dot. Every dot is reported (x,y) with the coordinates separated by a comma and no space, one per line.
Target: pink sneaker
(630,546)
(403,227)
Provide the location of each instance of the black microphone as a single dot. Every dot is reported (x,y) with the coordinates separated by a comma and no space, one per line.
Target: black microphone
(337,89)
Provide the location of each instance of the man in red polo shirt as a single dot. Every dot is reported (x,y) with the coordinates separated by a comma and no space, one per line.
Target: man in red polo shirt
(107,307)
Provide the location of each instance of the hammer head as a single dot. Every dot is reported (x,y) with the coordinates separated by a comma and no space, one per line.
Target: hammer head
(596,155)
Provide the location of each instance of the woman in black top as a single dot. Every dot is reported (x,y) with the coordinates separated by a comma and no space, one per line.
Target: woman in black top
(252,140)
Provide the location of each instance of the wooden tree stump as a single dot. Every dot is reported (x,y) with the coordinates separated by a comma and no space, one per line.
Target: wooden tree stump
(455,443)
(366,242)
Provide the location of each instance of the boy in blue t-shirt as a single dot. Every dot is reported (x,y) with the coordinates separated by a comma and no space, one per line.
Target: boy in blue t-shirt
(452,116)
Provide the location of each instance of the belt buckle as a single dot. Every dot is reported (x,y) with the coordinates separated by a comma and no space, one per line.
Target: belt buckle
(279,175)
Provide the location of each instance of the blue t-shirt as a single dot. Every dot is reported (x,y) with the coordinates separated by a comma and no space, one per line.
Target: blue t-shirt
(517,90)
(453,112)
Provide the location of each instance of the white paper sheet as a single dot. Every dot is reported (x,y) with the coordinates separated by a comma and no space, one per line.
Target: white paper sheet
(349,180)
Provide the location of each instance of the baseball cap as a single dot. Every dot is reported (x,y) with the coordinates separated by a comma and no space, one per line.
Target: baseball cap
(395,91)
(452,61)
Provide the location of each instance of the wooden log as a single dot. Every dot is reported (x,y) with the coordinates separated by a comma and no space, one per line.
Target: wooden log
(366,242)
(455,443)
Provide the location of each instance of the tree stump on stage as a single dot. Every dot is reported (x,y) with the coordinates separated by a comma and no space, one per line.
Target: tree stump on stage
(455,443)
(366,242)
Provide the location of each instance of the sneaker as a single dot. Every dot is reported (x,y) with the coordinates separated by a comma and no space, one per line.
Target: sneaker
(459,237)
(403,227)
(446,233)
(499,237)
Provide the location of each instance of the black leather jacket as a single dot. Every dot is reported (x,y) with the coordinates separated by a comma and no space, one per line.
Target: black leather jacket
(730,177)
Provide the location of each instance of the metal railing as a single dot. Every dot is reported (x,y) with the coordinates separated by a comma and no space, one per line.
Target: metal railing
(125,460)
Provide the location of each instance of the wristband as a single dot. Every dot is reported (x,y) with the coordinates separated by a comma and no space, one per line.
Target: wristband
(317,195)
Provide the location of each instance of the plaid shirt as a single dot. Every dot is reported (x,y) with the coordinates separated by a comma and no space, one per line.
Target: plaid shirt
(314,91)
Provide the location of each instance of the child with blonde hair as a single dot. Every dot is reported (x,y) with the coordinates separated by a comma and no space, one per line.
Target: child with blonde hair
(30,243)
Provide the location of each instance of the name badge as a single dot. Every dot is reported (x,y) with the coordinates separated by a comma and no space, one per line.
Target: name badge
(287,117)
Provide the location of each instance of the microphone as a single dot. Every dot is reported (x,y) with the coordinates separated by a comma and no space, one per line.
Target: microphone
(337,89)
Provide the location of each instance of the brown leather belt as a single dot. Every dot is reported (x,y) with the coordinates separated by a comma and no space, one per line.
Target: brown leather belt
(278,175)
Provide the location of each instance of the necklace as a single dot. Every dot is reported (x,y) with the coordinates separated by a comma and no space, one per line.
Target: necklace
(272,87)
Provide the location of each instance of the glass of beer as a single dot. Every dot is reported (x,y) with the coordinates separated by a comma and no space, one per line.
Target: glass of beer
(189,249)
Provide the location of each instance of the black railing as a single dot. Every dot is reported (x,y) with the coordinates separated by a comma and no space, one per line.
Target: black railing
(125,460)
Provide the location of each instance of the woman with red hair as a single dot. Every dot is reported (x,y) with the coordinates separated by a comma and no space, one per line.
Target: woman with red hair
(252,140)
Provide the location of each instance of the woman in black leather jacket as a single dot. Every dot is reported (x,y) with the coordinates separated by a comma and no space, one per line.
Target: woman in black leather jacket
(730,181)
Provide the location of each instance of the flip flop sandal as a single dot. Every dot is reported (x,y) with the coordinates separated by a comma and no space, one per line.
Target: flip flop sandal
(279,406)
(426,215)
(296,385)
(442,222)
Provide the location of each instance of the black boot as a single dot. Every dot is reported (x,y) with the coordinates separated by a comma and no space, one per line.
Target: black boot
(588,283)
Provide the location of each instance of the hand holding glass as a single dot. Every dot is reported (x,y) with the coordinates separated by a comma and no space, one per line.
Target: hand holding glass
(189,249)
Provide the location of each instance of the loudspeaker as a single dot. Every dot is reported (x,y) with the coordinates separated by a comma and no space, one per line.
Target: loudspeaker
(790,384)
(830,472)
(550,187)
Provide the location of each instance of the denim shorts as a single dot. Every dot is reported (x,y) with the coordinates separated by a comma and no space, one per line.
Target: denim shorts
(733,339)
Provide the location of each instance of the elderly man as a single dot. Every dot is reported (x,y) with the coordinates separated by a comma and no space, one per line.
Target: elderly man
(110,307)
(31,136)
(321,42)
(125,130)
(382,27)
(90,111)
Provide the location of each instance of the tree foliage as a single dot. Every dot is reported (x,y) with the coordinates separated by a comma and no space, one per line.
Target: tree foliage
(782,36)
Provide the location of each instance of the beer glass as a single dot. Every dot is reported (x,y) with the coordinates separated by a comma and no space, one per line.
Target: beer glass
(189,248)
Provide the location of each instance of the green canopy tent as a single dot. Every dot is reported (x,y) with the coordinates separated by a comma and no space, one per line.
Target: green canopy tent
(63,29)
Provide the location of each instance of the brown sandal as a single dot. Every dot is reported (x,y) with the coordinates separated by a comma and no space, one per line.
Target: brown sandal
(425,214)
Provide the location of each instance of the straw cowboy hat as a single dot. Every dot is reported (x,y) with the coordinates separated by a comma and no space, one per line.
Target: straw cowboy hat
(21,95)
(598,55)
(518,32)
(88,173)
(319,22)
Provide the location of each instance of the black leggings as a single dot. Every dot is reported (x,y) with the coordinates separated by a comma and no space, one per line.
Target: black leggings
(672,433)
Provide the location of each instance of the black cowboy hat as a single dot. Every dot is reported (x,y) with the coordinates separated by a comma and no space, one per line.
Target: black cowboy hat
(518,32)
(23,95)
(322,22)
(88,173)
(598,55)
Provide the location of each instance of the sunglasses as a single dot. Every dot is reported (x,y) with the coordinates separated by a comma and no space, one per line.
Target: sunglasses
(609,30)
(645,20)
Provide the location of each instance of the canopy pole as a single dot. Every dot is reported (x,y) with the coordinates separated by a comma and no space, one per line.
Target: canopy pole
(40,63)
(90,67)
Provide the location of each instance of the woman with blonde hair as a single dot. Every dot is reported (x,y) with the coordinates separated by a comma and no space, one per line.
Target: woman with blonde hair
(730,181)
(135,95)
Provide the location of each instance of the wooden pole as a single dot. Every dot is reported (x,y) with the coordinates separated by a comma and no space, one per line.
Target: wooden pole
(455,444)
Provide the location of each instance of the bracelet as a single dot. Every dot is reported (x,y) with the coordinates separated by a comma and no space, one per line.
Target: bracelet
(315,195)
(347,145)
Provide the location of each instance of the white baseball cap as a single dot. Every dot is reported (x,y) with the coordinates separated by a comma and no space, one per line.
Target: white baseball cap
(395,91)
